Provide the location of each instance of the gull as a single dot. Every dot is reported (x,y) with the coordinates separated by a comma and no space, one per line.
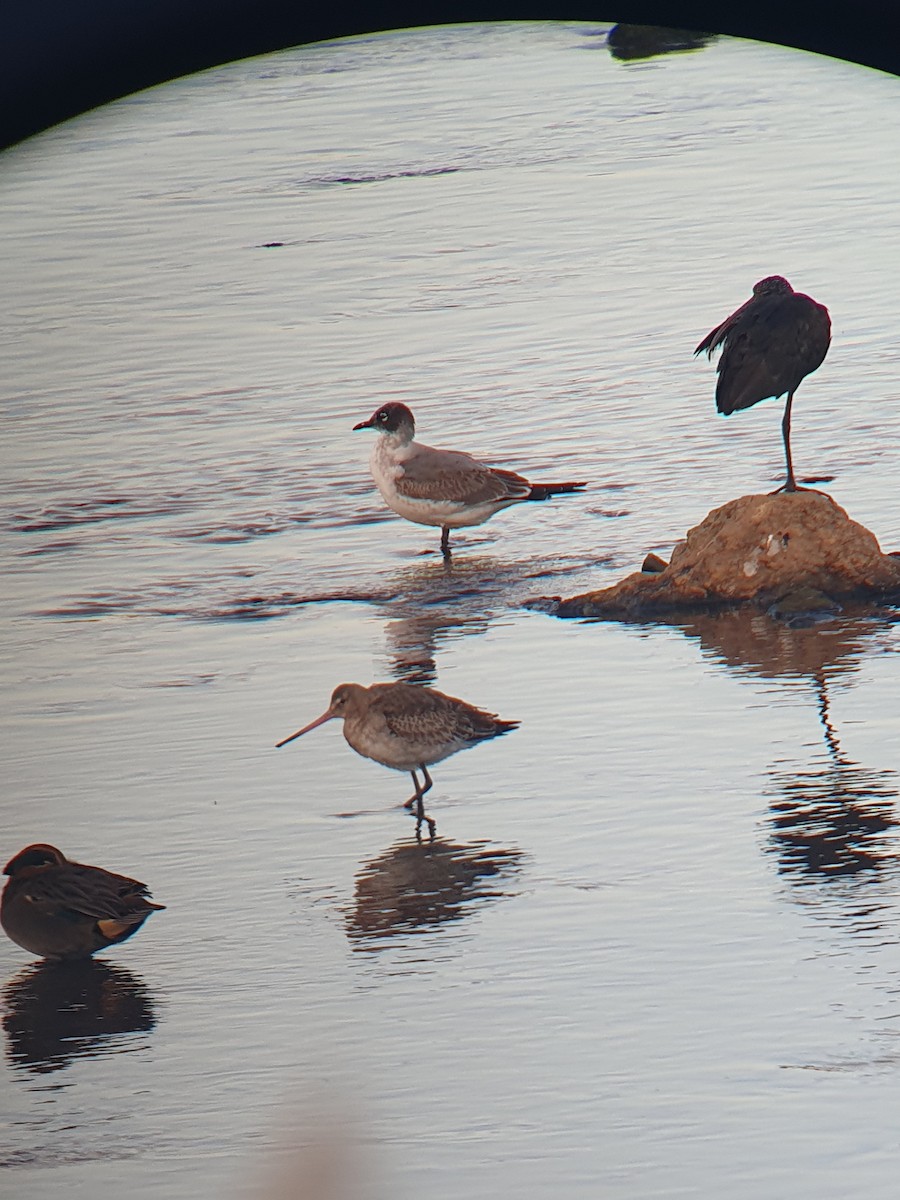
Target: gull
(442,487)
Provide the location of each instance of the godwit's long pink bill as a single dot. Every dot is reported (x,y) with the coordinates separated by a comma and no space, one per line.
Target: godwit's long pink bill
(327,716)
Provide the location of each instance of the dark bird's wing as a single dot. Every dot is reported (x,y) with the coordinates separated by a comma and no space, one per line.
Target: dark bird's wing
(768,346)
(716,337)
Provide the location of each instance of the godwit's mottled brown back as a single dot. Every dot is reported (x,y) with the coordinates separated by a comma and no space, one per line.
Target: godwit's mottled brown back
(423,714)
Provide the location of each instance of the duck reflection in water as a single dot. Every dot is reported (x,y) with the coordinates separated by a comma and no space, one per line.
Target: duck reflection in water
(416,887)
(56,1012)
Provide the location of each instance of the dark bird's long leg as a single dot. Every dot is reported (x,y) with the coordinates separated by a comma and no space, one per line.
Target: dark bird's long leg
(445,541)
(791,484)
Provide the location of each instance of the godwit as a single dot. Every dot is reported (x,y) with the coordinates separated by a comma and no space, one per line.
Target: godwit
(442,487)
(407,727)
(62,910)
(769,345)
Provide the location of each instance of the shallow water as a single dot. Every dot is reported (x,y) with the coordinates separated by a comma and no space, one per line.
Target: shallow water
(653,951)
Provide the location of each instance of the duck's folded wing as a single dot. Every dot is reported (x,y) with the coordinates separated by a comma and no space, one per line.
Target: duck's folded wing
(91,892)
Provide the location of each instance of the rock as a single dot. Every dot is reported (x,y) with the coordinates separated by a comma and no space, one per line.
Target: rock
(653,564)
(795,549)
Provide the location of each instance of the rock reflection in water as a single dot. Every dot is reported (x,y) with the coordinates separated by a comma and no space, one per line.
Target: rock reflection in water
(55,1012)
(418,886)
(766,646)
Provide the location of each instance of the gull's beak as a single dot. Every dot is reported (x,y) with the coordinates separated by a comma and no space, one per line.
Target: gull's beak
(370,424)
(326,716)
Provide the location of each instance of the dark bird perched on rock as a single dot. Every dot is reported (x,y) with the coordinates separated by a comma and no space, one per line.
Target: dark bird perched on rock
(63,910)
(769,346)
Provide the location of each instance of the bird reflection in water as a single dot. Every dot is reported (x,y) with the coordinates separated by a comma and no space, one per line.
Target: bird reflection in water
(833,819)
(56,1012)
(417,886)
(415,631)
(431,603)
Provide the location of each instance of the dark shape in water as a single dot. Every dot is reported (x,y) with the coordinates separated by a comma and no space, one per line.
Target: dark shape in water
(427,604)
(834,818)
(432,602)
(629,42)
(769,345)
(416,887)
(56,1012)
(831,818)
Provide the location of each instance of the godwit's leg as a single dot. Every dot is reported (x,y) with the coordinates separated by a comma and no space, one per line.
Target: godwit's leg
(445,541)
(419,803)
(416,797)
(419,792)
